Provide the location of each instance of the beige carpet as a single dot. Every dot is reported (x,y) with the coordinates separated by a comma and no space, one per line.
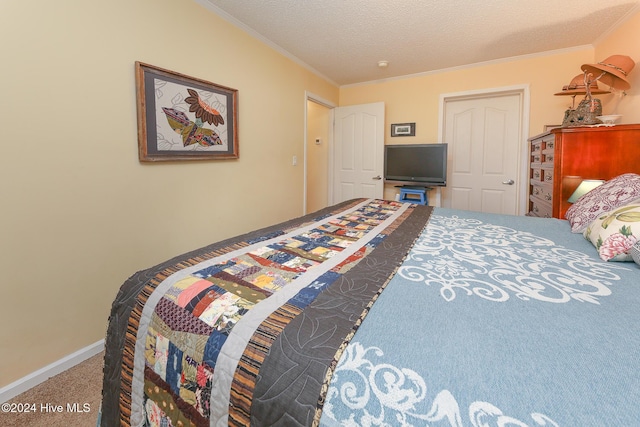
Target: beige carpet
(76,392)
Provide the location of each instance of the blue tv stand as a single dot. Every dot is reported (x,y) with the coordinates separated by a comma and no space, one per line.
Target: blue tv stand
(411,194)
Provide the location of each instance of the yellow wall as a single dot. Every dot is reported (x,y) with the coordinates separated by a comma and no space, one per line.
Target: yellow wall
(79,212)
(417,99)
(625,40)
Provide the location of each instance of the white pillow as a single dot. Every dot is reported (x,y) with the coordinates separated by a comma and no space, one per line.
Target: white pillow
(615,233)
(616,192)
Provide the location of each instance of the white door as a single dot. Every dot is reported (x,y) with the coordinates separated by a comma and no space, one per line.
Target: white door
(357,159)
(484,146)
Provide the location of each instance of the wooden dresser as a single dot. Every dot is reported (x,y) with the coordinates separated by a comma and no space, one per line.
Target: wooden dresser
(560,159)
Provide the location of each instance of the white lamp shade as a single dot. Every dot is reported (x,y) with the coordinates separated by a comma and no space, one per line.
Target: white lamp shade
(584,187)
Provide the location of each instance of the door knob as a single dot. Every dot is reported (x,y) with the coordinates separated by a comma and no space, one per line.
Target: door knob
(377,178)
(509,182)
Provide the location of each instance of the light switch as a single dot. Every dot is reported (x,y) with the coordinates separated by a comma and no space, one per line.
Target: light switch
(294,161)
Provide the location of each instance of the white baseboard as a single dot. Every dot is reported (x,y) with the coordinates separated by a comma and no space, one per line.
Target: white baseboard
(33,379)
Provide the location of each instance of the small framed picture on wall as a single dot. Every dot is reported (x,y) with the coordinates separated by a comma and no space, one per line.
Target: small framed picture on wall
(403,129)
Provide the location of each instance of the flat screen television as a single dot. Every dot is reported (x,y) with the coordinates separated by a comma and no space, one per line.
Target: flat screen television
(418,164)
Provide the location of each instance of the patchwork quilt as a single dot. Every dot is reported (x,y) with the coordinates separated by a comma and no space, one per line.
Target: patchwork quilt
(379,313)
(249,330)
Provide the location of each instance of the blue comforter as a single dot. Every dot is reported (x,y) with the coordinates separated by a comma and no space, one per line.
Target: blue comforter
(501,320)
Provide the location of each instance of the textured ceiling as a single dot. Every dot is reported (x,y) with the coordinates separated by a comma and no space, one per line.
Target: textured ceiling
(343,40)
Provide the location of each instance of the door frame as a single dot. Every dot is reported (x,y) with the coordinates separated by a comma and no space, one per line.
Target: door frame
(309,96)
(523,160)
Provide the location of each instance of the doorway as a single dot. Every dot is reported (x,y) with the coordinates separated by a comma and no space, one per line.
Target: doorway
(318,128)
(348,161)
(317,156)
(487,135)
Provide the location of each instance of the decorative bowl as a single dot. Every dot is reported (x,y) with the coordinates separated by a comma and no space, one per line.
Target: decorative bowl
(610,119)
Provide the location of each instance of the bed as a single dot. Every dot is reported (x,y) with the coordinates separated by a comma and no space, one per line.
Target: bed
(381,313)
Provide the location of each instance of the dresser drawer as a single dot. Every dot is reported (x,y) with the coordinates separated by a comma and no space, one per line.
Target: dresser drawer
(536,174)
(539,208)
(546,149)
(541,175)
(542,192)
(536,147)
(542,162)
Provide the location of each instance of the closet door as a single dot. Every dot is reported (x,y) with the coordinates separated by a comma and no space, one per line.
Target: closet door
(484,147)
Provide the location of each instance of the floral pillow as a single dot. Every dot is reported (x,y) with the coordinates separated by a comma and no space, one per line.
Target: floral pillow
(615,233)
(616,192)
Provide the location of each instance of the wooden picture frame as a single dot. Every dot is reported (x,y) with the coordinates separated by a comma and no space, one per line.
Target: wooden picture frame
(184,118)
(403,129)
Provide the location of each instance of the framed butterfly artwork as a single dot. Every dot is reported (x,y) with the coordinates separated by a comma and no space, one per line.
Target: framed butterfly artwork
(184,118)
